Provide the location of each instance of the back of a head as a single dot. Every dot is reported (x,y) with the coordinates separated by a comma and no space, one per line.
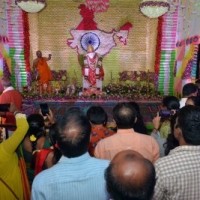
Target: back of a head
(139,125)
(189,123)
(193,100)
(124,115)
(5,81)
(171,103)
(36,125)
(53,139)
(171,141)
(136,106)
(73,133)
(130,177)
(39,54)
(189,89)
(97,115)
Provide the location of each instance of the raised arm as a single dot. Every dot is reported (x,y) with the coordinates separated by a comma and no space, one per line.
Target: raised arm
(48,58)
(10,145)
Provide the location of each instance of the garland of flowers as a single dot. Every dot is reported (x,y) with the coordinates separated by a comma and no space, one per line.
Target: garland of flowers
(112,91)
(171,73)
(194,63)
(158,46)
(26,40)
(137,76)
(186,61)
(57,75)
(16,44)
(141,86)
(97,6)
(154,3)
(168,53)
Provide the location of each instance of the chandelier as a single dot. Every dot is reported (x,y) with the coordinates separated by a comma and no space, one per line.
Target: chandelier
(155,8)
(32,6)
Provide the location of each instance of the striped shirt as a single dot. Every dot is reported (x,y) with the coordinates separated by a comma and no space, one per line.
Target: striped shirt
(80,178)
(178,174)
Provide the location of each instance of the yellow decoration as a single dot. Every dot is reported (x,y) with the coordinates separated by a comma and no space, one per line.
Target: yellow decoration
(186,59)
(5,56)
(64,78)
(33,138)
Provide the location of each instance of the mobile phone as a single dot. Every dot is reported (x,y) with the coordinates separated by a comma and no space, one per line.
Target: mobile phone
(4,107)
(44,109)
(165,113)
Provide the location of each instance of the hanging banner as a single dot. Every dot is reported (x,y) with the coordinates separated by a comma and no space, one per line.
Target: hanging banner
(188,41)
(97,6)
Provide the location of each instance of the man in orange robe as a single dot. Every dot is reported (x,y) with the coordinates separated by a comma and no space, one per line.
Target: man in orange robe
(44,75)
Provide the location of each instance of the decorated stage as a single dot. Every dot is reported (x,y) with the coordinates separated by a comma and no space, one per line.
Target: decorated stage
(148,108)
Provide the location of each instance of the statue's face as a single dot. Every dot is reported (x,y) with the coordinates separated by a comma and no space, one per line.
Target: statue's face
(92,60)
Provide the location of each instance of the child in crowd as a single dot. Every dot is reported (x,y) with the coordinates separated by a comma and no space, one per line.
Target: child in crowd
(98,119)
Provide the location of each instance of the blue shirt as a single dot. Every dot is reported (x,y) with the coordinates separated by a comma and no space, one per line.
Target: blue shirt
(80,178)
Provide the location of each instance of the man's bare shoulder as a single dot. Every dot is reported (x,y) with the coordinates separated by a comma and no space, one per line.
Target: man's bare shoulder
(35,61)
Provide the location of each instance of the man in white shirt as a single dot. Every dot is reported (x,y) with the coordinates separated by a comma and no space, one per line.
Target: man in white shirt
(189,89)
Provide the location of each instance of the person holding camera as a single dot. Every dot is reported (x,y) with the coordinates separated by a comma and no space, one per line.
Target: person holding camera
(161,123)
(11,181)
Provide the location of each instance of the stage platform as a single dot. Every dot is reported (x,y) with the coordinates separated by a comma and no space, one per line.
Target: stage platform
(148,108)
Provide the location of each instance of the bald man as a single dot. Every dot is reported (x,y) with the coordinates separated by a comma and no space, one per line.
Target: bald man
(130,177)
(126,137)
(77,176)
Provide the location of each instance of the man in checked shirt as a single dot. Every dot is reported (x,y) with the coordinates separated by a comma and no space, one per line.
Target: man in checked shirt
(178,174)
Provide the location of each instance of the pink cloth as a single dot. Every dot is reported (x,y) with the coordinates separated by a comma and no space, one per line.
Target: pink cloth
(12,96)
(127,139)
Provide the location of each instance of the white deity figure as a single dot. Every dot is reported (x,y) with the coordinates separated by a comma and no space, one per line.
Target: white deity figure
(93,72)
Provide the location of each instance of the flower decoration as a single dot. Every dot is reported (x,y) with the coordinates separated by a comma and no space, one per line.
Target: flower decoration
(137,76)
(97,6)
(31,6)
(140,85)
(64,78)
(155,8)
(59,75)
(33,138)
(188,70)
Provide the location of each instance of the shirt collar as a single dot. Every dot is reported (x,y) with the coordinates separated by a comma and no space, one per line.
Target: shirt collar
(185,148)
(8,89)
(80,159)
(125,131)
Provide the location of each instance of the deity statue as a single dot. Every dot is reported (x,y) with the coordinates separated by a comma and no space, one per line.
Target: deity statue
(93,72)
